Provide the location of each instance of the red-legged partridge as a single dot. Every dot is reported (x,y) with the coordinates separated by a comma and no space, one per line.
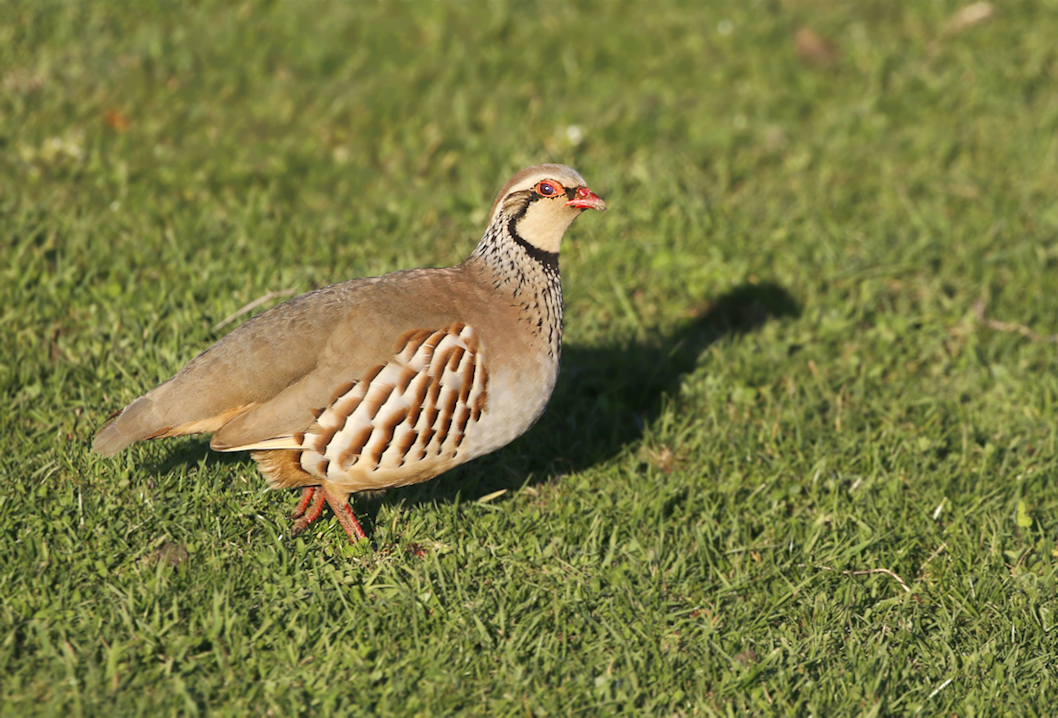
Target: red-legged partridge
(388,381)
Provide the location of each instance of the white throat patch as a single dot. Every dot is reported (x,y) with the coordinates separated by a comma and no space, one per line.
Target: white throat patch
(544,223)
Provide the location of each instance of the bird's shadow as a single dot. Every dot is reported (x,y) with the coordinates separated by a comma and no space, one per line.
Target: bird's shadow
(605,397)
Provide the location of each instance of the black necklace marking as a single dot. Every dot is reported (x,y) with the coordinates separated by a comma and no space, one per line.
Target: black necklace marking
(549,260)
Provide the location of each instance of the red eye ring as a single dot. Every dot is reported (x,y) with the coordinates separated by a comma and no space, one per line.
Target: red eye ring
(548,188)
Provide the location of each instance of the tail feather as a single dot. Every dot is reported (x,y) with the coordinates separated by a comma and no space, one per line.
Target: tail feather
(126,427)
(145,419)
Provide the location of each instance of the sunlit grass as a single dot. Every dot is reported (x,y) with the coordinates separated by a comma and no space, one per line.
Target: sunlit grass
(809,377)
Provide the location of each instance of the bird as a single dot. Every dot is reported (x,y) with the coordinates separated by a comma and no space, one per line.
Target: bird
(381,382)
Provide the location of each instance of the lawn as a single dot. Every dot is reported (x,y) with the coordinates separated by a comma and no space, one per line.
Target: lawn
(802,456)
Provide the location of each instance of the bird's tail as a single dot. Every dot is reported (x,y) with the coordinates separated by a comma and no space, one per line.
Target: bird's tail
(136,422)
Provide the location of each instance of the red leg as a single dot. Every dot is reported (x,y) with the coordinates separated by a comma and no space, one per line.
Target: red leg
(345,515)
(312,513)
(306,497)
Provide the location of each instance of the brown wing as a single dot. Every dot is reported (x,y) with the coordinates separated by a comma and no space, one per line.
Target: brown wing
(265,378)
(417,405)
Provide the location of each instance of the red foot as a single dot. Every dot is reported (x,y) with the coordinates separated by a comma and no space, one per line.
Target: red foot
(310,507)
(306,497)
(307,516)
(344,512)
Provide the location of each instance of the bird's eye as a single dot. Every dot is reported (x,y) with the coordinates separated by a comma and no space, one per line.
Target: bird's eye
(547,189)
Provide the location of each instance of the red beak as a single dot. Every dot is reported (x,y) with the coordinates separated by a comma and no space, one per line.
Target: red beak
(586,199)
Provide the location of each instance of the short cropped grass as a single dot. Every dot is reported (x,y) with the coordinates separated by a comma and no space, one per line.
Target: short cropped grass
(802,456)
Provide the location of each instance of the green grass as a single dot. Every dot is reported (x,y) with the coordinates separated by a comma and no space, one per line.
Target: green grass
(812,339)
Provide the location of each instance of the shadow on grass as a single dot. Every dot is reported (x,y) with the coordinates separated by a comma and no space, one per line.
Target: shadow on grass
(604,398)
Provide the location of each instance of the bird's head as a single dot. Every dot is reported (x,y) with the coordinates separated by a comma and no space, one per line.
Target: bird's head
(539,203)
